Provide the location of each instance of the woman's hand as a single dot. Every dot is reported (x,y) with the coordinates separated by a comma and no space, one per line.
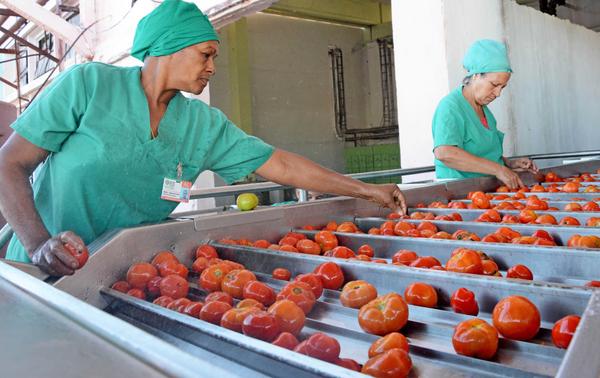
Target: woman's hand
(387,195)
(524,164)
(509,177)
(53,258)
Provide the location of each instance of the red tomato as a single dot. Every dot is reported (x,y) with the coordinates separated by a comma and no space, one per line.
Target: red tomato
(308,246)
(331,274)
(233,283)
(384,314)
(323,347)
(211,277)
(313,281)
(139,274)
(326,239)
(212,312)
(366,249)
(356,294)
(207,251)
(347,227)
(163,257)
(281,274)
(465,261)
(593,284)
(219,296)
(122,286)
(490,268)
(260,292)
(348,363)
(300,293)
(250,303)
(193,309)
(463,302)
(569,221)
(261,325)
(425,262)
(564,329)
(340,252)
(591,206)
(153,286)
(393,363)
(81,256)
(301,348)
(404,256)
(233,318)
(291,317)
(163,301)
(421,294)
(475,338)
(543,234)
(174,286)
(179,304)
(515,317)
(137,293)
(390,341)
(519,271)
(480,200)
(169,267)
(286,340)
(200,264)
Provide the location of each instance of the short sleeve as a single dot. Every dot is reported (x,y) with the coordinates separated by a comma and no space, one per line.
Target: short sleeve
(448,129)
(55,113)
(236,154)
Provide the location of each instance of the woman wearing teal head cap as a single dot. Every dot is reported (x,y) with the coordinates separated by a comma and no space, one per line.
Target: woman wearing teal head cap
(466,140)
(120,145)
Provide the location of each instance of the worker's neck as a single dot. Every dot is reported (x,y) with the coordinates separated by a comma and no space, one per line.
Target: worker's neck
(155,82)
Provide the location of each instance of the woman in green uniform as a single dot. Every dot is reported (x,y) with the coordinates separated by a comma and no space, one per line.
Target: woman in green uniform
(466,142)
(119,145)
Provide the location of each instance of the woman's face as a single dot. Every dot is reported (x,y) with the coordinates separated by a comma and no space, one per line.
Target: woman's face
(193,66)
(488,87)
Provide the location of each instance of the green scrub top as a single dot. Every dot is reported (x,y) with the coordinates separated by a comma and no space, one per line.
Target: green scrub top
(104,170)
(455,123)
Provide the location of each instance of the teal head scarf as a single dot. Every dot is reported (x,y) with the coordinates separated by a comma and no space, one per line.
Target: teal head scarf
(486,55)
(172,26)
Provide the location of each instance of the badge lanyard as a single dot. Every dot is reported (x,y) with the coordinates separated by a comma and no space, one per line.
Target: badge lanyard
(176,190)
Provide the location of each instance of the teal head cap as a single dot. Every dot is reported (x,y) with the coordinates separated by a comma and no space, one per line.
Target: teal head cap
(172,26)
(485,56)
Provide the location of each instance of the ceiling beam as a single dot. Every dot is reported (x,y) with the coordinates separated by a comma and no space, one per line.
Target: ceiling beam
(354,12)
(7,82)
(25,42)
(52,23)
(17,24)
(8,51)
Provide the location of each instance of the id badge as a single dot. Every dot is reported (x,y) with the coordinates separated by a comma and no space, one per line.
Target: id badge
(175,190)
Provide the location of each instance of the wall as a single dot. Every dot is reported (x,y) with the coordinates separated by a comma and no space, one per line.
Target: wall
(291,84)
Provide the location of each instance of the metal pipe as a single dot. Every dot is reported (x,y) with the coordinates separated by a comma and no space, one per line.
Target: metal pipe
(5,234)
(558,155)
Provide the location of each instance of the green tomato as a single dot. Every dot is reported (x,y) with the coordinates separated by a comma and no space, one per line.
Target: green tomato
(247,201)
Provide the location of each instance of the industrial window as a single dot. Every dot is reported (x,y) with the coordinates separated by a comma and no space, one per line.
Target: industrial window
(44,64)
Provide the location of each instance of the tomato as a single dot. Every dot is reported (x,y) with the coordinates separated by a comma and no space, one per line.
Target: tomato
(465,261)
(300,293)
(515,317)
(137,293)
(551,177)
(510,219)
(122,286)
(309,247)
(475,338)
(162,257)
(356,294)
(571,187)
(421,294)
(492,216)
(207,251)
(211,277)
(326,239)
(425,262)
(427,226)
(593,222)
(463,302)
(393,216)
(153,286)
(233,283)
(390,341)
(250,303)
(402,227)
(233,318)
(441,235)
(457,205)
(323,347)
(366,250)
(492,238)
(591,206)
(313,281)
(490,268)
(179,304)
(259,291)
(169,267)
(331,274)
(219,296)
(81,256)
(261,325)
(393,363)
(213,312)
(163,301)
(288,240)
(585,241)
(301,348)
(193,309)
(527,216)
(139,274)
(546,219)
(200,264)
(281,274)
(465,235)
(340,252)
(262,243)
(524,240)
(593,284)
(347,227)
(291,317)
(286,340)
(564,329)
(519,271)
(174,286)
(573,206)
(570,221)
(480,200)
(542,234)
(384,314)
(348,363)
(374,231)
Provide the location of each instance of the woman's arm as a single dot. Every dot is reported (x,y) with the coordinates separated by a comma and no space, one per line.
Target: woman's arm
(459,159)
(287,168)
(18,159)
